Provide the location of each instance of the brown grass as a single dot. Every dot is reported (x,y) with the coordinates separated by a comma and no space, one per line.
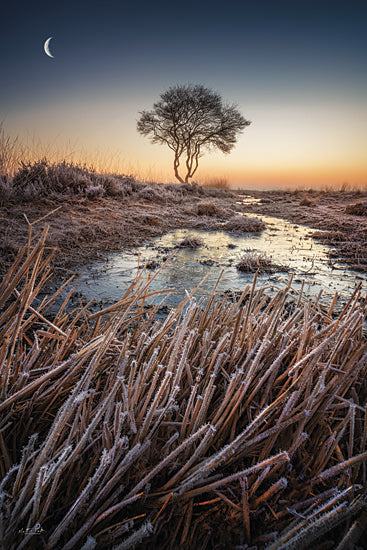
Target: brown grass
(10,151)
(217,183)
(207,209)
(306,201)
(59,181)
(244,224)
(329,236)
(252,262)
(358,208)
(190,242)
(224,424)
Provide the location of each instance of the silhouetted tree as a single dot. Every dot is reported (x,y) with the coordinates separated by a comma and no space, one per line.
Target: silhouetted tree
(190,119)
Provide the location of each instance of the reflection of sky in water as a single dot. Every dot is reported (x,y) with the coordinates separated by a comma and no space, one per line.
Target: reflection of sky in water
(284,243)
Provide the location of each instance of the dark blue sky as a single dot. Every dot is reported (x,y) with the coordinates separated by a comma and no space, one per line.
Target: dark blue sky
(277,56)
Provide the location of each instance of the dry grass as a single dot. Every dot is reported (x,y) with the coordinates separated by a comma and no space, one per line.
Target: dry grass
(190,242)
(252,262)
(58,181)
(329,236)
(224,424)
(217,183)
(358,208)
(10,151)
(244,224)
(344,187)
(208,209)
(306,201)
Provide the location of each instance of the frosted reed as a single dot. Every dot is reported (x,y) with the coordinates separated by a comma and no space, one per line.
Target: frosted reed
(246,419)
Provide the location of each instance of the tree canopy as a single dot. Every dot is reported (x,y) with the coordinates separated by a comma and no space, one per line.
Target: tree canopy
(191,119)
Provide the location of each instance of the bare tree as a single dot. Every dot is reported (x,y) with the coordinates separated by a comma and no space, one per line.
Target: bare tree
(190,119)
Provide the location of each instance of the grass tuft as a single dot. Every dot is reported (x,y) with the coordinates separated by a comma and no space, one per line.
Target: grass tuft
(42,179)
(217,183)
(252,262)
(244,224)
(357,209)
(190,242)
(307,201)
(208,208)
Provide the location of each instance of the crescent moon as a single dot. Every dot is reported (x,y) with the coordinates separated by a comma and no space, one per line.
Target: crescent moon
(46,47)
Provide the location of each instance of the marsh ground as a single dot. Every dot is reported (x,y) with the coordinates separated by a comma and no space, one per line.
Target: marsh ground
(207,454)
(334,213)
(83,229)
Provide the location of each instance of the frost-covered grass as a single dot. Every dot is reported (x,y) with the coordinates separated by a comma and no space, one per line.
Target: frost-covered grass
(58,181)
(191,242)
(224,424)
(42,179)
(307,201)
(244,224)
(358,208)
(208,208)
(252,262)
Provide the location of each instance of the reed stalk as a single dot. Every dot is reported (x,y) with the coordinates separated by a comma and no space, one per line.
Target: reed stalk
(120,430)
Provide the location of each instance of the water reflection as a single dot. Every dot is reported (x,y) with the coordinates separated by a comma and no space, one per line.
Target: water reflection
(284,243)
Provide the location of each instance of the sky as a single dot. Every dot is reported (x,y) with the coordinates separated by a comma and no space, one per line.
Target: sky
(297,69)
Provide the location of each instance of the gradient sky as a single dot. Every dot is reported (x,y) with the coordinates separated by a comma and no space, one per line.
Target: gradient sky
(296,68)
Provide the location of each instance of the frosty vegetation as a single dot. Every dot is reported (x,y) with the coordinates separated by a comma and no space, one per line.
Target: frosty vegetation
(223,424)
(63,180)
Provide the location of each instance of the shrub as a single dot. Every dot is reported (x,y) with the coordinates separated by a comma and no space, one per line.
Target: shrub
(40,178)
(192,189)
(172,193)
(119,186)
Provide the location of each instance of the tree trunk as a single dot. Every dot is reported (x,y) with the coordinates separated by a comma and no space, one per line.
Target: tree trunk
(176,164)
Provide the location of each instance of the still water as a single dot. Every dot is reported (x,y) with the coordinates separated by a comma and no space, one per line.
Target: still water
(284,243)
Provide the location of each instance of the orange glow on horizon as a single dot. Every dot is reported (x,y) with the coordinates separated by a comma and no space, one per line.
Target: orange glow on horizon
(271,175)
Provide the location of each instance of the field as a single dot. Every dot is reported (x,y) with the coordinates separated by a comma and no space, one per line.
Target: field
(226,424)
